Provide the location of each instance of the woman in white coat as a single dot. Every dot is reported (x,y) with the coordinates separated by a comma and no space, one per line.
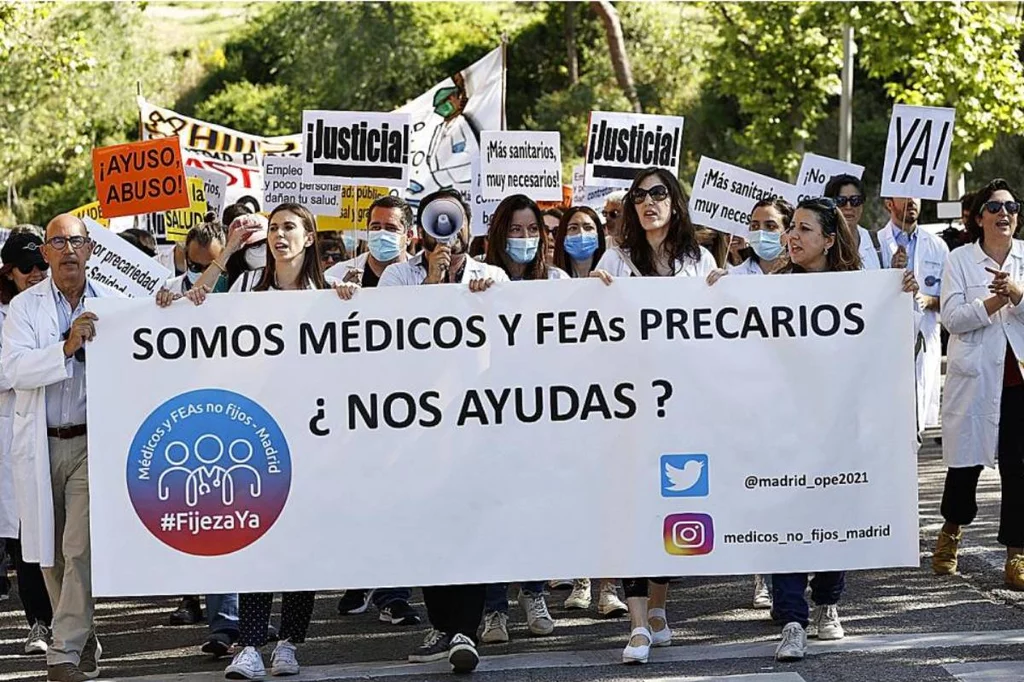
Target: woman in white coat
(23,266)
(984,393)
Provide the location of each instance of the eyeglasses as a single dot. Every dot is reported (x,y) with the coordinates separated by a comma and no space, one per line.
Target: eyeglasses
(27,269)
(610,215)
(61,243)
(854,200)
(1012,207)
(657,193)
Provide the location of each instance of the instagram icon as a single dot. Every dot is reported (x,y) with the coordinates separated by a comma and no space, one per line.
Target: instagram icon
(689,534)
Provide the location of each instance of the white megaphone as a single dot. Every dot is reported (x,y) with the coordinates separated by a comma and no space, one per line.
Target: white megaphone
(442,219)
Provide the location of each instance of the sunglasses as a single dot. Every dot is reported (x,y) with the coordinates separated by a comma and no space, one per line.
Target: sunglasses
(27,269)
(657,193)
(854,200)
(60,243)
(197,268)
(613,215)
(1012,207)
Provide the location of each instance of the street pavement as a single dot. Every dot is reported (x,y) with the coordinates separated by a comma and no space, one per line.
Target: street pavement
(901,625)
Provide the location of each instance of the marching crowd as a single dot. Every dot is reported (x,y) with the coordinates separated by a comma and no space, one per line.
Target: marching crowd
(972,291)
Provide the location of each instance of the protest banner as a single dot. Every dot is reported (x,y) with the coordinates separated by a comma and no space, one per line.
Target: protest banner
(724,195)
(521,162)
(365,195)
(139,177)
(620,144)
(917,152)
(174,225)
(356,147)
(284,183)
(587,196)
(304,407)
(196,134)
(117,263)
(481,209)
(243,179)
(90,210)
(815,172)
(214,188)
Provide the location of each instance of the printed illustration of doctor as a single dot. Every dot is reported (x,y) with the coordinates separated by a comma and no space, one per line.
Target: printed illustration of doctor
(453,143)
(207,475)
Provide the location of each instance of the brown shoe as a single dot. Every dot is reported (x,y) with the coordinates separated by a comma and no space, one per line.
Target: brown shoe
(89,661)
(944,558)
(65,672)
(1015,572)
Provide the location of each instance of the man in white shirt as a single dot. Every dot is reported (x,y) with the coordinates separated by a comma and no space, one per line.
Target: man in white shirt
(848,193)
(389,231)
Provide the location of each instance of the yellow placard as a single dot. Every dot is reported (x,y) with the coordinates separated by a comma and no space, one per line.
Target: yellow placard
(180,221)
(90,210)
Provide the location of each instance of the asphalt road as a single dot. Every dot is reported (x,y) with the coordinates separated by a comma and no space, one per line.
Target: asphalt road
(901,625)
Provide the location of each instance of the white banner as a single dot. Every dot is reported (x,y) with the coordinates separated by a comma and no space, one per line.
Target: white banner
(356,148)
(917,152)
(521,162)
(243,172)
(582,195)
(620,144)
(260,429)
(196,134)
(215,187)
(117,263)
(723,195)
(283,182)
(815,172)
(482,209)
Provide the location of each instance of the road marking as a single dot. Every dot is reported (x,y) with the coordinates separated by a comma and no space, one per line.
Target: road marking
(998,671)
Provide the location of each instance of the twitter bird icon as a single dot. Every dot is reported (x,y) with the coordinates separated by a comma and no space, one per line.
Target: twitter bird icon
(684,476)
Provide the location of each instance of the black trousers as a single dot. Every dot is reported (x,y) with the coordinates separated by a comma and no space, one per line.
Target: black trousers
(637,587)
(254,614)
(959,496)
(31,588)
(455,609)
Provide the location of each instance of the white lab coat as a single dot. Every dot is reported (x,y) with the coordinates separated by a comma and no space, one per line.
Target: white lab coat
(868,255)
(613,263)
(976,354)
(340,270)
(411,273)
(32,358)
(929,260)
(8,500)
(747,267)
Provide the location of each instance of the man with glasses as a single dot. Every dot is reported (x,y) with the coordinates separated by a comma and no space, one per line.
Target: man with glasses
(43,357)
(847,191)
(612,214)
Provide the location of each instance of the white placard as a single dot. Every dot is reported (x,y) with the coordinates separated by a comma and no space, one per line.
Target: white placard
(587,196)
(620,144)
(482,209)
(215,188)
(284,183)
(815,172)
(305,407)
(521,162)
(356,148)
(917,152)
(243,172)
(117,263)
(723,195)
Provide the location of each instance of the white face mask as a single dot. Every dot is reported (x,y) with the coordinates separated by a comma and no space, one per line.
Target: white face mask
(256,257)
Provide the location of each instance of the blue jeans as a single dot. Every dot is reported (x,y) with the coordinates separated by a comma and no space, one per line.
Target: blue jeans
(788,602)
(222,614)
(496,595)
(385,595)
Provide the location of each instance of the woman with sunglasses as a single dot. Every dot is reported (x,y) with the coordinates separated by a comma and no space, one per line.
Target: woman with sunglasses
(23,267)
(579,241)
(983,399)
(658,240)
(848,193)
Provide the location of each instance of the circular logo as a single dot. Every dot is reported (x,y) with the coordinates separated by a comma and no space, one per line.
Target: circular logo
(931,281)
(209,472)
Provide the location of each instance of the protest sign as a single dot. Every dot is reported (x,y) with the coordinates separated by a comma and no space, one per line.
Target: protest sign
(284,183)
(214,188)
(618,145)
(305,407)
(481,208)
(815,172)
(196,134)
(176,224)
(521,162)
(587,196)
(356,147)
(917,152)
(723,195)
(90,210)
(242,172)
(117,263)
(139,177)
(365,195)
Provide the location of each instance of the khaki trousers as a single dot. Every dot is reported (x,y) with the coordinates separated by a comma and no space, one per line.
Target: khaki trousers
(69,580)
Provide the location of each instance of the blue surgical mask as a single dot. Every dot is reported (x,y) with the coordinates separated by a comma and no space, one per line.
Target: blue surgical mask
(384,245)
(351,242)
(767,245)
(522,250)
(192,277)
(581,246)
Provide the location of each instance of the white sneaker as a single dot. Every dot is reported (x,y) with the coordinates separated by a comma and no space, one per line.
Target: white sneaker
(637,654)
(662,637)
(762,597)
(825,623)
(538,619)
(608,604)
(793,645)
(495,628)
(283,661)
(246,665)
(38,640)
(580,597)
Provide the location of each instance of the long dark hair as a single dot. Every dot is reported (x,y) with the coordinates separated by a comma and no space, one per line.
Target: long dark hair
(974,231)
(562,259)
(497,237)
(843,256)
(680,242)
(312,267)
